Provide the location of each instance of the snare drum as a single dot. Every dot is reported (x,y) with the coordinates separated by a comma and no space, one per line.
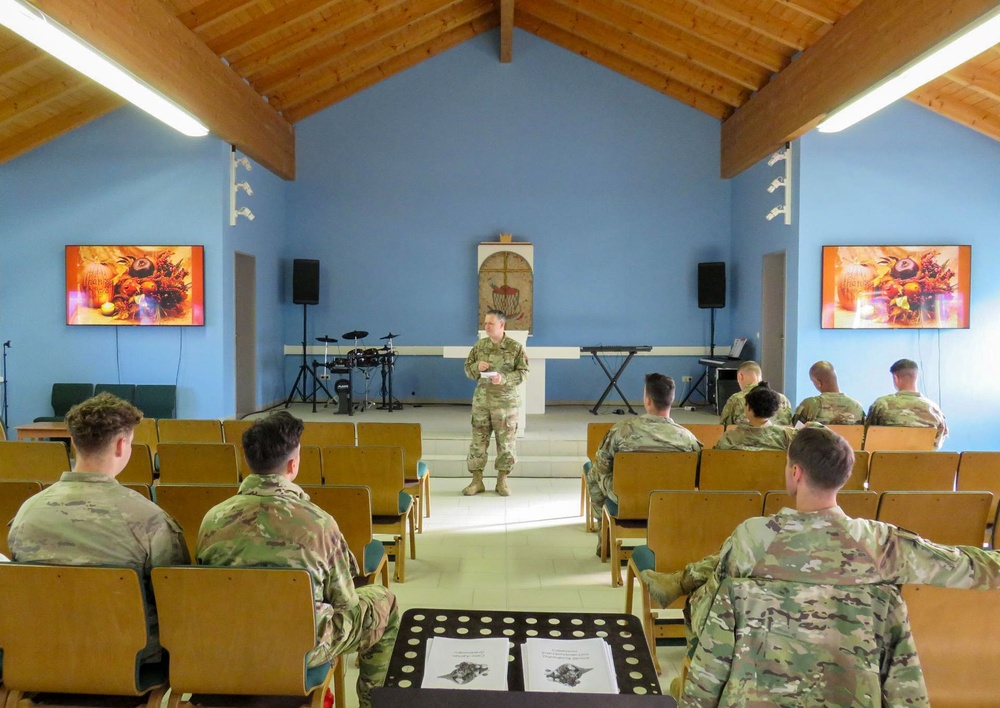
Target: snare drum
(368,358)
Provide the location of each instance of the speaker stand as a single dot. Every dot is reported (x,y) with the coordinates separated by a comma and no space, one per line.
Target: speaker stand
(694,389)
(301,386)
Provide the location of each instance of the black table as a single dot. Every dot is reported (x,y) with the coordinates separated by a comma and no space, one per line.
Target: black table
(444,698)
(613,378)
(623,632)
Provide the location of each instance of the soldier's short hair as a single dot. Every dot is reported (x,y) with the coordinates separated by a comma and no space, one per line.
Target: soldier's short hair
(499,314)
(763,401)
(660,390)
(825,457)
(904,367)
(94,423)
(269,442)
(823,372)
(750,367)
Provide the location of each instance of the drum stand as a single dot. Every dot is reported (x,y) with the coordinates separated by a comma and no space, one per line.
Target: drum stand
(300,387)
(388,364)
(362,406)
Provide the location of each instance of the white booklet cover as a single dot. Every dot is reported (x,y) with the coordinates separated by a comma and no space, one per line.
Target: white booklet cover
(568,665)
(466,663)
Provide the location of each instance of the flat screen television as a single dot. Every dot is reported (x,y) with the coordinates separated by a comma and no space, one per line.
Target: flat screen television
(135,285)
(896,287)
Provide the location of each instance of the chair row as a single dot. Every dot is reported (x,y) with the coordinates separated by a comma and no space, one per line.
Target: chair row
(210,622)
(154,400)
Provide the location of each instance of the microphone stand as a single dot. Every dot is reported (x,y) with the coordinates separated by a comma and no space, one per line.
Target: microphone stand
(3,378)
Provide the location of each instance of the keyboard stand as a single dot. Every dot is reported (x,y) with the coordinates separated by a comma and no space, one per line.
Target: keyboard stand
(613,378)
(694,389)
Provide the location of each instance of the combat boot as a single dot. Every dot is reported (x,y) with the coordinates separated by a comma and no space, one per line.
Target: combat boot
(664,588)
(475,486)
(502,488)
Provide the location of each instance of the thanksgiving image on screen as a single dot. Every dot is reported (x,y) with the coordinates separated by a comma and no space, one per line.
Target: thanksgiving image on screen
(135,285)
(896,287)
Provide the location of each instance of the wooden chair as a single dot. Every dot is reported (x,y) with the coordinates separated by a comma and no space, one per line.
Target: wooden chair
(684,526)
(856,504)
(950,518)
(980,471)
(352,508)
(956,636)
(198,463)
(13,493)
(232,432)
(854,434)
(595,436)
(140,466)
(327,434)
(310,466)
(3,433)
(636,475)
(40,461)
(145,434)
(188,504)
(886,437)
(912,471)
(858,480)
(220,641)
(381,470)
(757,470)
(418,475)
(707,433)
(143,489)
(76,630)
(193,431)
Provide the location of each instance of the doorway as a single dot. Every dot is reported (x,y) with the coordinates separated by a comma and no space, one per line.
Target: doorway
(772,315)
(245,332)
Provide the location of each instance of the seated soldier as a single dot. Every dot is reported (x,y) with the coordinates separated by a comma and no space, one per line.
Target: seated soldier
(271,522)
(816,543)
(907,408)
(830,407)
(758,433)
(748,376)
(87,518)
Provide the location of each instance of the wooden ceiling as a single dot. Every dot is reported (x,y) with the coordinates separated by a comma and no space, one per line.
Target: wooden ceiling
(305,55)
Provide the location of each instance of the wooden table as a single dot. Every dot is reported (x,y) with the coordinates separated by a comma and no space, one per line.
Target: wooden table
(45,429)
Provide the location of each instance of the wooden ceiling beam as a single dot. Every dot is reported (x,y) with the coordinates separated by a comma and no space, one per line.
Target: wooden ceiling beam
(748,14)
(200,17)
(656,81)
(639,51)
(869,44)
(506,31)
(816,9)
(394,65)
(156,47)
(301,12)
(26,140)
(982,120)
(19,57)
(987,85)
(39,94)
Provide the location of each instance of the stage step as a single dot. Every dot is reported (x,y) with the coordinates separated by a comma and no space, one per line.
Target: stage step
(535,458)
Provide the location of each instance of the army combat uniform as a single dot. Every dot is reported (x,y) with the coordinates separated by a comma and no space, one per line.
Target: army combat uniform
(908,409)
(733,412)
(747,437)
(271,522)
(495,406)
(830,409)
(90,519)
(645,433)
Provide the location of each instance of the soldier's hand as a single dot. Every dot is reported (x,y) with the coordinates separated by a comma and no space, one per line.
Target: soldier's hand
(495,378)
(484,366)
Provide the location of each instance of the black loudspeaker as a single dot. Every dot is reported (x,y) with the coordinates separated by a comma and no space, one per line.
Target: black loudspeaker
(305,282)
(724,389)
(711,285)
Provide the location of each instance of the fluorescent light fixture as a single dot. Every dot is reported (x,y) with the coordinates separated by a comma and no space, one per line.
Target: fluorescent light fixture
(957,49)
(40,30)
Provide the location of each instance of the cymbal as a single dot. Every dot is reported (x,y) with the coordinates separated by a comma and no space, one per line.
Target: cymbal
(389,336)
(355,334)
(326,340)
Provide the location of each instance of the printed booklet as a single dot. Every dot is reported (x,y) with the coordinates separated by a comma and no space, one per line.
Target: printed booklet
(568,665)
(466,663)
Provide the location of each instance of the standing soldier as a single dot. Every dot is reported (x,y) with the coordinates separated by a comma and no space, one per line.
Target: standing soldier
(499,365)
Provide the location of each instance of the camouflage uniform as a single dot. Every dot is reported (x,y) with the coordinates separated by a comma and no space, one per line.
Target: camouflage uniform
(747,437)
(908,409)
(733,412)
(495,406)
(89,519)
(829,549)
(830,409)
(271,522)
(646,433)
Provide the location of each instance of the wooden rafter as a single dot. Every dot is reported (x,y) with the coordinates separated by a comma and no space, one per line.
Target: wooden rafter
(506,31)
(981,120)
(869,44)
(39,94)
(19,57)
(301,12)
(816,9)
(748,14)
(206,13)
(982,83)
(60,124)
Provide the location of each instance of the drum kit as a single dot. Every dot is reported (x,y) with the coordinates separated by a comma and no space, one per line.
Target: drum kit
(363,359)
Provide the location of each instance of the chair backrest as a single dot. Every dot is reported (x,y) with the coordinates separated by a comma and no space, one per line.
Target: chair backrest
(198,463)
(637,474)
(3,433)
(41,461)
(378,468)
(143,489)
(351,506)
(854,434)
(156,400)
(595,436)
(856,504)
(13,493)
(146,434)
(126,392)
(139,469)
(950,627)
(232,432)
(859,473)
(175,430)
(950,518)
(218,638)
(980,471)
(707,433)
(912,471)
(310,466)
(687,526)
(324,434)
(67,395)
(759,470)
(188,504)
(887,437)
(404,435)
(71,629)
